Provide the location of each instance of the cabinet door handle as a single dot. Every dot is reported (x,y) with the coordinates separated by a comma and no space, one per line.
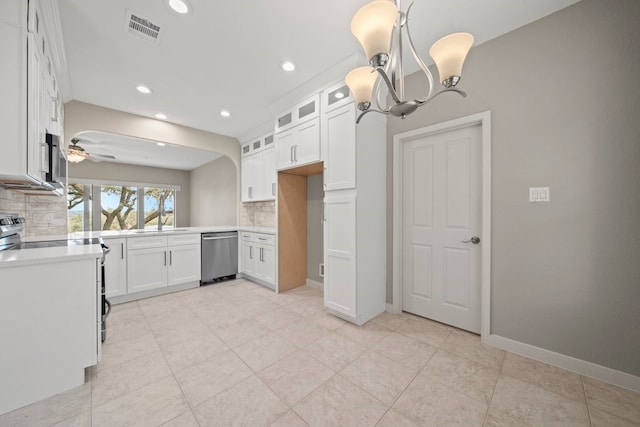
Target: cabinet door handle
(251,192)
(262,254)
(295,153)
(250,252)
(273,188)
(291,154)
(44,157)
(170,257)
(121,250)
(324,178)
(54,109)
(165,258)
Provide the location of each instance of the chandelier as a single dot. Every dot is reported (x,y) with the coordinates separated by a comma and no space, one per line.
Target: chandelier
(379,26)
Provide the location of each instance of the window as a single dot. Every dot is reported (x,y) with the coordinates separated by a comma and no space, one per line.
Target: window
(155,198)
(119,207)
(79,207)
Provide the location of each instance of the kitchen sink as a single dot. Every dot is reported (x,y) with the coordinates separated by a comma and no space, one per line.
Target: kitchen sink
(168,230)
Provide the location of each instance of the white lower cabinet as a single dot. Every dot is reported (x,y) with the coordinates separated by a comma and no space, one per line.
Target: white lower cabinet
(258,257)
(162,261)
(184,264)
(340,251)
(115,268)
(147,269)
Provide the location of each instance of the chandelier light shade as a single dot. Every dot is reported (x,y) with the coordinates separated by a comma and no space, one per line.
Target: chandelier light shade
(449,54)
(360,82)
(373,25)
(381,27)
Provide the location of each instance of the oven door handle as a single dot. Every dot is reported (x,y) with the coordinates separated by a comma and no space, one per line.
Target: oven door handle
(105,315)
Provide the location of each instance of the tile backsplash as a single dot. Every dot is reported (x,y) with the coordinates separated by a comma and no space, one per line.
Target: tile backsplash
(258,214)
(45,215)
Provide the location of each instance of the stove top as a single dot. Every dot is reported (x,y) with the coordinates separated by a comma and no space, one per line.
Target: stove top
(54,243)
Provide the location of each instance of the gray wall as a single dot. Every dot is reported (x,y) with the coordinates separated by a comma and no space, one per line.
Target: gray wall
(110,172)
(213,193)
(315,237)
(564,95)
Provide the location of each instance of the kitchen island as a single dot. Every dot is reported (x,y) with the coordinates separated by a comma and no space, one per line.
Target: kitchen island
(49,321)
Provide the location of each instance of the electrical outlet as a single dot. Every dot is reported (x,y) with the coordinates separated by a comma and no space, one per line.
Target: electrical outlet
(321,270)
(539,194)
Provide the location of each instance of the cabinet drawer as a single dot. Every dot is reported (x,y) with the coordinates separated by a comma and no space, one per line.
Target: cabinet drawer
(265,239)
(246,236)
(184,239)
(146,242)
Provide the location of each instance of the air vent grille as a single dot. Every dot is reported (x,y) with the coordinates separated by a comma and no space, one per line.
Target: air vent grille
(142,27)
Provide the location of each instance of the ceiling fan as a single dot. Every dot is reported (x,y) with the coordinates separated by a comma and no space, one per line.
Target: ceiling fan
(76,154)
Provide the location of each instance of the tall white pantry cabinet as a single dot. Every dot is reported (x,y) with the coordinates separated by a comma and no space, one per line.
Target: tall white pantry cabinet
(354,208)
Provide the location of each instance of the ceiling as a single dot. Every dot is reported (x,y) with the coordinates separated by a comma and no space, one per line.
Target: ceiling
(144,152)
(227,54)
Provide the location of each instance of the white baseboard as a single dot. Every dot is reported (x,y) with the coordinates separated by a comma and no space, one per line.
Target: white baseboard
(582,367)
(392,309)
(315,284)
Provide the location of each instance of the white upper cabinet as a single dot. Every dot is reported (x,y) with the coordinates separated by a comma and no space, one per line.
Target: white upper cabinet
(305,110)
(339,148)
(335,96)
(32,103)
(258,169)
(298,134)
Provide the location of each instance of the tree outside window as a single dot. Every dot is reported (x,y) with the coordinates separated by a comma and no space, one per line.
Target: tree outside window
(119,207)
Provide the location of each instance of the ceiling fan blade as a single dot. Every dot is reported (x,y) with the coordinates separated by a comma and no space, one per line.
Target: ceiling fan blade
(103,156)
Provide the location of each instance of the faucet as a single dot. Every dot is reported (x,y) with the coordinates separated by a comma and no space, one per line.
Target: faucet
(160,209)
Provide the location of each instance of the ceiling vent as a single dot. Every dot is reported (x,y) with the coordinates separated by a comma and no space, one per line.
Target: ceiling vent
(141,27)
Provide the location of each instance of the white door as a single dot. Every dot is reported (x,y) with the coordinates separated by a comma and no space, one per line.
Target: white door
(441,213)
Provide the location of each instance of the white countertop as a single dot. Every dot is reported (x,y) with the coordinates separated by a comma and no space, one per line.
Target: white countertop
(166,231)
(41,255)
(14,258)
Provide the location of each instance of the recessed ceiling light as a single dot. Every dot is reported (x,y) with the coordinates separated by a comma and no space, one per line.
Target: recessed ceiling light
(288,66)
(339,95)
(161,144)
(180,6)
(225,113)
(143,89)
(161,116)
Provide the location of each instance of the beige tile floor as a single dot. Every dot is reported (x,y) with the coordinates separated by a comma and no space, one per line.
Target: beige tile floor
(238,354)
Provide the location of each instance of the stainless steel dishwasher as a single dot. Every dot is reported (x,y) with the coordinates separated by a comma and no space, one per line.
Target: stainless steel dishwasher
(219,256)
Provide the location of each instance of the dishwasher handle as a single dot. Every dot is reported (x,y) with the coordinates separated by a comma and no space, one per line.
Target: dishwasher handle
(219,238)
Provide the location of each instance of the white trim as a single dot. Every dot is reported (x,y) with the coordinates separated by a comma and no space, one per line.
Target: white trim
(315,284)
(579,366)
(87,181)
(392,309)
(484,120)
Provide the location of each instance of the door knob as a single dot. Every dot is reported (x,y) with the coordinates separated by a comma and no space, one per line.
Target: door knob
(475,240)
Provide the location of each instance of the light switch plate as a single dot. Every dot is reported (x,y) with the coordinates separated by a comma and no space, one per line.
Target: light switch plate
(539,194)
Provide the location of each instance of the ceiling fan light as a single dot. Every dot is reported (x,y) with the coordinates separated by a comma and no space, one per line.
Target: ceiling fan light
(449,54)
(373,24)
(76,156)
(360,82)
